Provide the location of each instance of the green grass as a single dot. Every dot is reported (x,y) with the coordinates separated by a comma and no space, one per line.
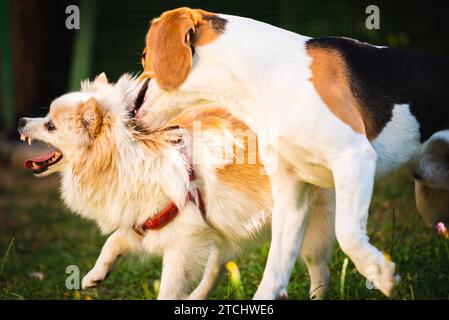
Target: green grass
(43,236)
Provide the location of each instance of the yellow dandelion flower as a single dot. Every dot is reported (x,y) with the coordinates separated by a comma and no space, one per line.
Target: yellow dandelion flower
(234,276)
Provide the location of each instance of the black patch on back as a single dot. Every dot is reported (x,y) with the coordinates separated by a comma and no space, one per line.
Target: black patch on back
(383,77)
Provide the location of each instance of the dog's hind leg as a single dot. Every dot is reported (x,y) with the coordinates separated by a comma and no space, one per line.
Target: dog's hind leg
(115,245)
(318,242)
(288,225)
(212,273)
(182,265)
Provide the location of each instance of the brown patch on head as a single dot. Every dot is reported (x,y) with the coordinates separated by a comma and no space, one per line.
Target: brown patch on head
(91,117)
(331,80)
(96,167)
(97,158)
(168,53)
(208,28)
(60,113)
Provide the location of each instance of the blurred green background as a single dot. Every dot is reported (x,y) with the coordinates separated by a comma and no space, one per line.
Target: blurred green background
(41,59)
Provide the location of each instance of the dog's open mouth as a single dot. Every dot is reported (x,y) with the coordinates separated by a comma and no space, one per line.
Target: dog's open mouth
(40,164)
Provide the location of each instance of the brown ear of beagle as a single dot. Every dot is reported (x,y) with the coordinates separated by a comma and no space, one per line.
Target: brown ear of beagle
(169,42)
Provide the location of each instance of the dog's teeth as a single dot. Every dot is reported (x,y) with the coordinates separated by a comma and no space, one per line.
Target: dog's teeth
(30,141)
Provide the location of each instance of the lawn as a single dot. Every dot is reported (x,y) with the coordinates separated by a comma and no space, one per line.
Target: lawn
(44,237)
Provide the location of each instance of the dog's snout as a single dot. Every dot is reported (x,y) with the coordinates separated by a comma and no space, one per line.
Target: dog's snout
(22,123)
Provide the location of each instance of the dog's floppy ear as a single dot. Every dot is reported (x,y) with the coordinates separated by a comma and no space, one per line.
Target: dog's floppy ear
(432,180)
(168,49)
(91,117)
(432,203)
(433,163)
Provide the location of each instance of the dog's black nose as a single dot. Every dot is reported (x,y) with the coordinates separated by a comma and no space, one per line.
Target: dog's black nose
(22,123)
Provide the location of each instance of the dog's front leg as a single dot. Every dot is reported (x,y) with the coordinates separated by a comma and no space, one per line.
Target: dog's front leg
(212,272)
(354,172)
(115,245)
(288,225)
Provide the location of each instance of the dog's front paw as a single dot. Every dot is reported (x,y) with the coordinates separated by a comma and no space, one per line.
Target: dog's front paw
(92,278)
(383,276)
(389,279)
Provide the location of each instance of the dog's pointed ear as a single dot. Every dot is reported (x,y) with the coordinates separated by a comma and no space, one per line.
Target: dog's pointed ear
(169,52)
(101,78)
(91,117)
(96,85)
(100,81)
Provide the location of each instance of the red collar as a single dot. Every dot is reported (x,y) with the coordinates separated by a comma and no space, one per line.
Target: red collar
(171,210)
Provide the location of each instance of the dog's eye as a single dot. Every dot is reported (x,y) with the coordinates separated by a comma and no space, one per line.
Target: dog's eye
(50,126)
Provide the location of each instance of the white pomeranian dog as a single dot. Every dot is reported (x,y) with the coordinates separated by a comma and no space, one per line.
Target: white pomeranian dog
(191,190)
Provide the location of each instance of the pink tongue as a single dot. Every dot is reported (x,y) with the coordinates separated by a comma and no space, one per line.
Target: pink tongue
(29,163)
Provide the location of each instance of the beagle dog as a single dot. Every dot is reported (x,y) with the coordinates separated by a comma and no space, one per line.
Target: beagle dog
(330,112)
